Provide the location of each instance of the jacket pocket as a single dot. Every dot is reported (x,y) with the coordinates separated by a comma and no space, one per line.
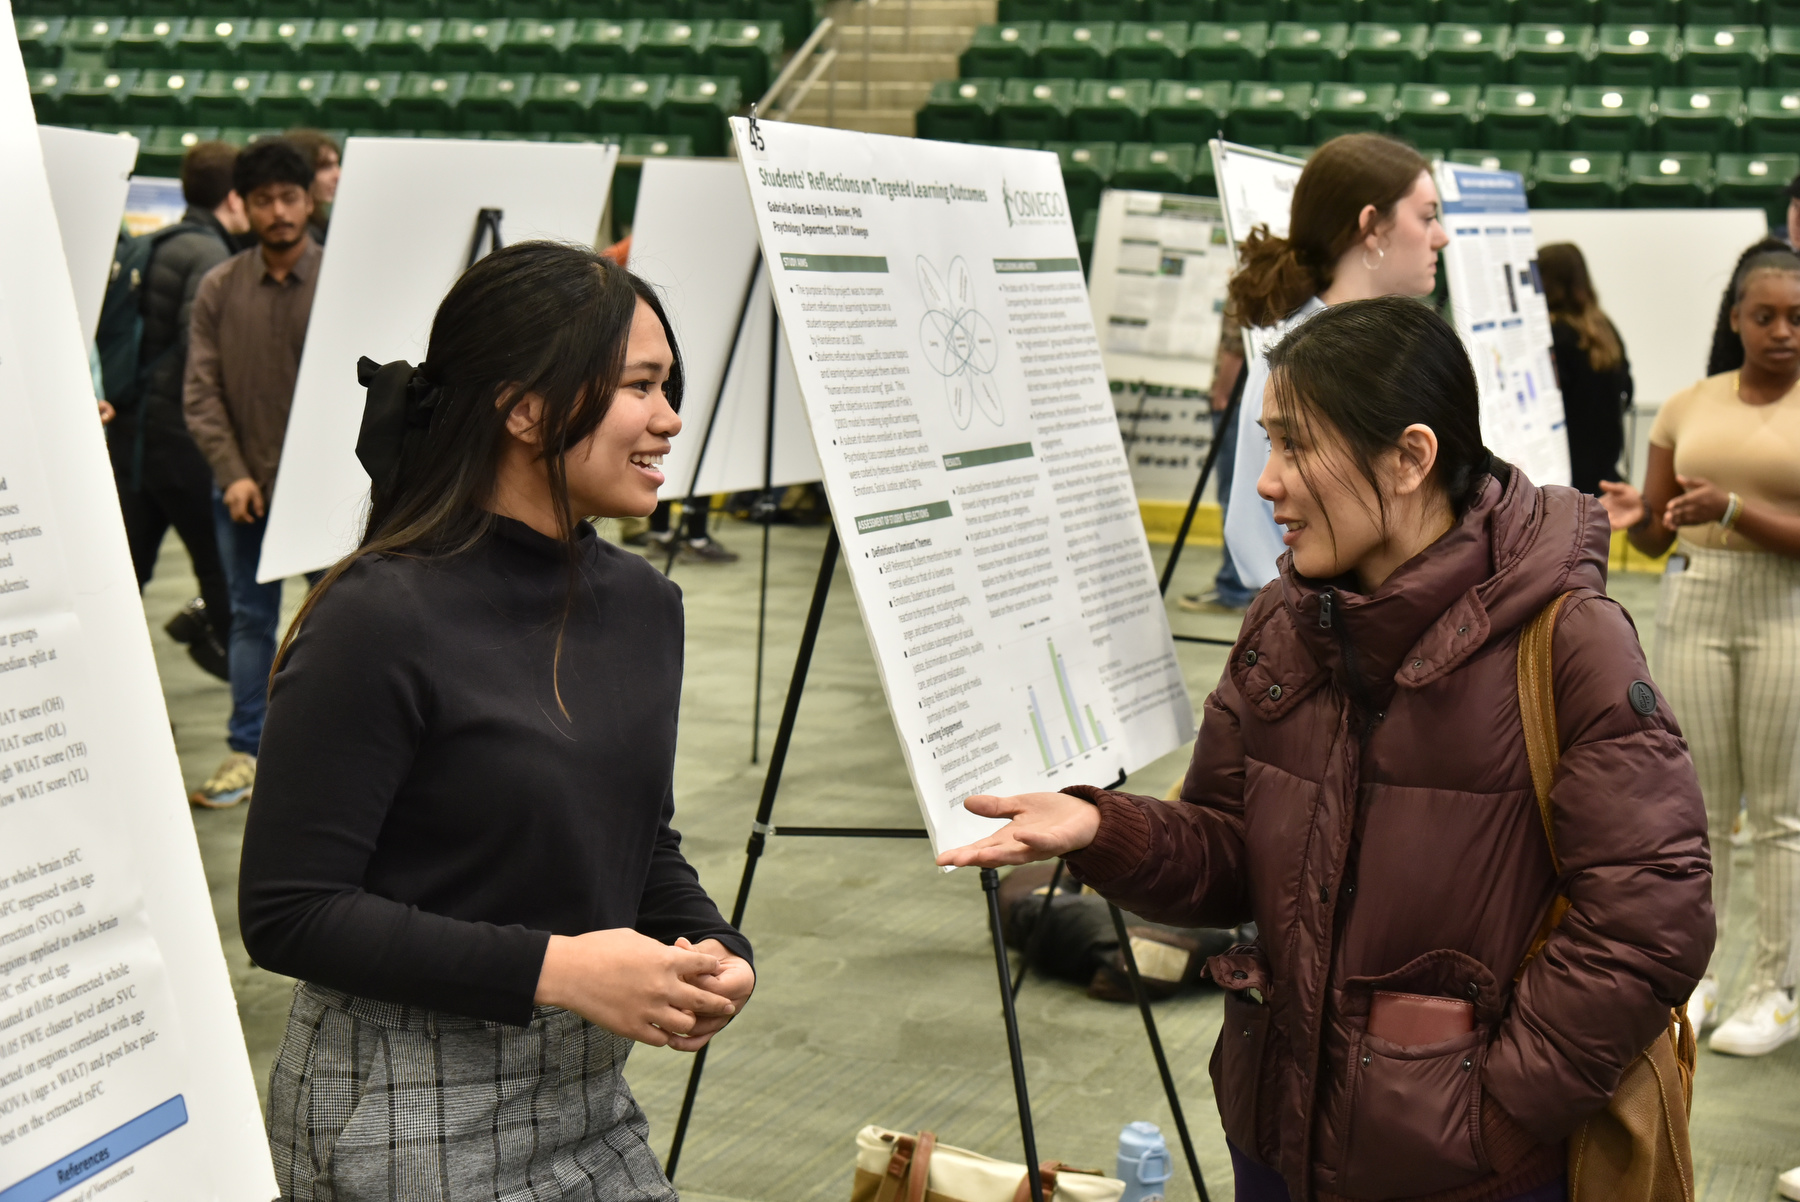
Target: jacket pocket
(1236,1067)
(1414,1117)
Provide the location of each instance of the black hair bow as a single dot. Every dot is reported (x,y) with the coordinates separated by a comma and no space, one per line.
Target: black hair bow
(396,416)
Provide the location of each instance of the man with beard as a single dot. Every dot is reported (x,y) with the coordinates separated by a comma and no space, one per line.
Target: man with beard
(246,332)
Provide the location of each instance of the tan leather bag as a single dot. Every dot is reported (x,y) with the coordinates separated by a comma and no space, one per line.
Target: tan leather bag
(1636,1149)
(892,1166)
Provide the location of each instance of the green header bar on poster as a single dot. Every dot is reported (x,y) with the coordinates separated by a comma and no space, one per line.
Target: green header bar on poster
(1005,266)
(871,264)
(1018,450)
(887,520)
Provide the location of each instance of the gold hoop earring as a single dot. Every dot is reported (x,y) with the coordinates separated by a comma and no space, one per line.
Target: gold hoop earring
(1380,258)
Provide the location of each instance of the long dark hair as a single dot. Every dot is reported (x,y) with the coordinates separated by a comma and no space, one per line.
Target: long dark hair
(1569,294)
(535,318)
(1348,173)
(1370,368)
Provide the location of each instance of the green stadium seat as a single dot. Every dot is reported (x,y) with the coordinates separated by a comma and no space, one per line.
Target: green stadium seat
(37,39)
(673,47)
(697,106)
(1268,114)
(1494,160)
(1610,119)
(1187,112)
(474,10)
(1306,53)
(347,10)
(746,51)
(274,44)
(1035,108)
(550,10)
(1014,12)
(1387,53)
(47,84)
(561,103)
(1668,179)
(161,153)
(798,17)
(1086,168)
(146,42)
(1228,52)
(1468,54)
(95,96)
(1741,12)
(1640,12)
(1076,51)
(1400,12)
(1784,57)
(226,97)
(402,45)
(629,104)
(1699,119)
(700,10)
(91,36)
(1475,12)
(1772,120)
(492,100)
(1577,179)
(1002,51)
(411,10)
(1552,55)
(1638,56)
(1246,12)
(1094,11)
(603,46)
(1557,12)
(242,135)
(1353,108)
(1522,117)
(1145,51)
(959,110)
(359,98)
(209,43)
(1325,12)
(1438,116)
(1187,11)
(537,45)
(426,100)
(1110,110)
(159,97)
(1723,56)
(335,45)
(1147,167)
(469,45)
(291,98)
(1755,181)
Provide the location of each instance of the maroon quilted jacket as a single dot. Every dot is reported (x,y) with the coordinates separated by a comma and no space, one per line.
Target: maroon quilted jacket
(1361,789)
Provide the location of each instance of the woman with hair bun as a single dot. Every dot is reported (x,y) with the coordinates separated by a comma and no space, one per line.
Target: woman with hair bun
(1364,223)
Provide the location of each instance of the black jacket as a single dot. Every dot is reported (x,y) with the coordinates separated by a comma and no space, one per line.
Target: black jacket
(1594,405)
(167,298)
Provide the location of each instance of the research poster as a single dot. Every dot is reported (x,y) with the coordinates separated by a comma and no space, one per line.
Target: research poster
(123,1073)
(1256,187)
(1497,298)
(1157,291)
(933,300)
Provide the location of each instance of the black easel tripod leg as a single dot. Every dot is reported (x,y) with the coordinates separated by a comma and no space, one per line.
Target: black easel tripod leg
(1206,471)
(990,883)
(1156,1049)
(765,807)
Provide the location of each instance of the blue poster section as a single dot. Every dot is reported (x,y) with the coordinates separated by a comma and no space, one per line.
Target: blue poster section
(99,1156)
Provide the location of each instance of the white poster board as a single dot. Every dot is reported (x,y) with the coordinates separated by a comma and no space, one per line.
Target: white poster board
(972,460)
(400,234)
(694,240)
(89,174)
(122,1062)
(1497,300)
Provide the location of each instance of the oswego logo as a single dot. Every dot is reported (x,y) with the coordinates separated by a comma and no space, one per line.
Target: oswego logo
(1032,208)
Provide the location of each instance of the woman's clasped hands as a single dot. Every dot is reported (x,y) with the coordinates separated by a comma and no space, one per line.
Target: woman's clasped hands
(676,996)
(1043,826)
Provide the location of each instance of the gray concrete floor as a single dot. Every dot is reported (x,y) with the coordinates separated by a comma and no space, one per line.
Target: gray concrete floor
(877,999)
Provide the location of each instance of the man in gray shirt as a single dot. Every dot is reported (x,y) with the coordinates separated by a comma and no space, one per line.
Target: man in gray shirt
(245,336)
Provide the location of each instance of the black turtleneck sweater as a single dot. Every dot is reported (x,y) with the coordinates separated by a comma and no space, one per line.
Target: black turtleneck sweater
(427,814)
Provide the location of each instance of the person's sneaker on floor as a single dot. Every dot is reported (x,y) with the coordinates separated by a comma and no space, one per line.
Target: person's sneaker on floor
(1766,1020)
(190,624)
(705,550)
(1789,1183)
(1703,1006)
(229,785)
(1208,602)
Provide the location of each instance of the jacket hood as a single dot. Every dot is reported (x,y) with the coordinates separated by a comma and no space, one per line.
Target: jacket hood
(1517,548)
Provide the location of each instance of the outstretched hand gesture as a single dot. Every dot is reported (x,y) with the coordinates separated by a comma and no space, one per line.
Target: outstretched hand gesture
(1043,827)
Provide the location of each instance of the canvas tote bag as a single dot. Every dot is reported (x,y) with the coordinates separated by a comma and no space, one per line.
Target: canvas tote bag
(892,1166)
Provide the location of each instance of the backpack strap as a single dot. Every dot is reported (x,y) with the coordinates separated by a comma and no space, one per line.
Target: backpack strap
(1543,746)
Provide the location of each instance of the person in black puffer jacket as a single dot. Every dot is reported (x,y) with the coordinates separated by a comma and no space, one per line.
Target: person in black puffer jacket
(163,479)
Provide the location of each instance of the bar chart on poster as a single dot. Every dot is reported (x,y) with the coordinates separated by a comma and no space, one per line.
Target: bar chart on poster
(933,302)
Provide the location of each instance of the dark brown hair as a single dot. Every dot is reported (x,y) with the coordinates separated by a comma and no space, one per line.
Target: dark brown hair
(312,143)
(1569,293)
(206,174)
(1275,276)
(1363,371)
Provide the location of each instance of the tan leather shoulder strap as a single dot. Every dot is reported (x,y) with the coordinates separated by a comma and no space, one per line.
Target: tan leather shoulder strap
(921,1168)
(1537,711)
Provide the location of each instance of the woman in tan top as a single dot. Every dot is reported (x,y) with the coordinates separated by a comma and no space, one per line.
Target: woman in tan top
(1724,481)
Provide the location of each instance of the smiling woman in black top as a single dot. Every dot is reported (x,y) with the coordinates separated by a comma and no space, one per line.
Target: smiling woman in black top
(461,841)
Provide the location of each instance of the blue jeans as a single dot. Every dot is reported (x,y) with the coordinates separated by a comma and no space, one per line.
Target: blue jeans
(255,615)
(1231,590)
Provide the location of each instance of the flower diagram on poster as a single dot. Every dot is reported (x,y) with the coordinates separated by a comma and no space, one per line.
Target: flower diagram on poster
(959,343)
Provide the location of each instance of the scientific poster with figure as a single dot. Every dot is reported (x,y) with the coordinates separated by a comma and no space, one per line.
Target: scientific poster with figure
(932,299)
(122,1063)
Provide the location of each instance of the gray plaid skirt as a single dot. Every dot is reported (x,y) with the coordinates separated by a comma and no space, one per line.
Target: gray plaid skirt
(371,1102)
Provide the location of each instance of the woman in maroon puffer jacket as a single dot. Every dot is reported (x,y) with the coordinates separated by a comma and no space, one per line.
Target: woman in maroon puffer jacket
(1361,789)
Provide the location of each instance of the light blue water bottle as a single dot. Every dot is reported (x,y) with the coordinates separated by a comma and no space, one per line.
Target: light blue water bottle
(1143,1163)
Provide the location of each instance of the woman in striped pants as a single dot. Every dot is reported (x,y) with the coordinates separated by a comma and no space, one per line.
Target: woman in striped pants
(1724,481)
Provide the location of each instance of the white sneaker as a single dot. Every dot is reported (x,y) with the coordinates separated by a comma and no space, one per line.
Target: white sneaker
(1763,1023)
(1703,1006)
(1789,1183)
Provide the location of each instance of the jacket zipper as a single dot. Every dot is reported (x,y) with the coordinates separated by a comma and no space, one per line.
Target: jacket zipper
(1353,684)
